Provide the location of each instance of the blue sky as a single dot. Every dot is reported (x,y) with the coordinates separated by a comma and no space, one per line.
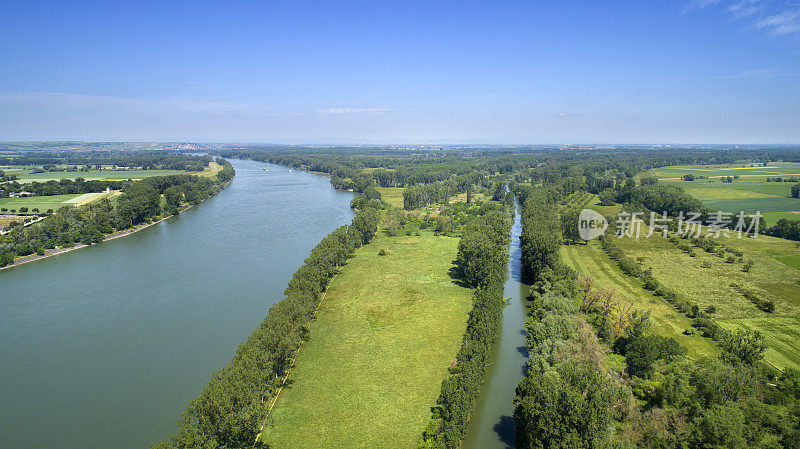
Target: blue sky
(695,71)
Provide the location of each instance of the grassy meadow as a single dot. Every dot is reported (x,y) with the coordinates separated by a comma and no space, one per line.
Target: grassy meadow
(749,193)
(114,175)
(392,195)
(379,348)
(707,281)
(716,171)
(590,260)
(40,202)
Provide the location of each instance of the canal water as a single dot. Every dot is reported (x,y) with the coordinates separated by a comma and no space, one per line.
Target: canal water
(492,421)
(105,346)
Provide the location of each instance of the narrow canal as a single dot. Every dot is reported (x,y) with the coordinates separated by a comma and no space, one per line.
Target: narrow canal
(492,422)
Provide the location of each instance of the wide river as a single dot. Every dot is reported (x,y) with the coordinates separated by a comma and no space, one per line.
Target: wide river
(105,346)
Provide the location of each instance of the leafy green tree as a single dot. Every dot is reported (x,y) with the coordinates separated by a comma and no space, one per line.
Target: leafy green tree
(569,225)
(608,197)
(743,346)
(719,427)
(565,408)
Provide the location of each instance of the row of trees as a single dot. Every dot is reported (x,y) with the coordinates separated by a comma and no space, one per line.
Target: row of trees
(541,237)
(594,170)
(481,261)
(233,405)
(567,398)
(139,203)
(142,159)
(61,187)
(661,399)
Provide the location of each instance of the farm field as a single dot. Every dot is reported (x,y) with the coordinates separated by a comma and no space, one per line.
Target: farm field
(26,176)
(392,195)
(41,202)
(378,351)
(707,281)
(743,170)
(590,260)
(750,193)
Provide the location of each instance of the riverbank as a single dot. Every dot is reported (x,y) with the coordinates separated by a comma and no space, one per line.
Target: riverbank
(105,347)
(124,233)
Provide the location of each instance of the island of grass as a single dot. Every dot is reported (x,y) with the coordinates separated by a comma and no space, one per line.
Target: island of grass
(380,346)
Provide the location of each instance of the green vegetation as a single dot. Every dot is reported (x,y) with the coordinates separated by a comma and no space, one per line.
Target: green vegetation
(676,344)
(234,405)
(572,396)
(41,203)
(140,202)
(752,169)
(593,265)
(708,280)
(390,326)
(753,188)
(392,195)
(26,176)
(481,262)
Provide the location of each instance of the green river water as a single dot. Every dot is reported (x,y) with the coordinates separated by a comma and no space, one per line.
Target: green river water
(106,345)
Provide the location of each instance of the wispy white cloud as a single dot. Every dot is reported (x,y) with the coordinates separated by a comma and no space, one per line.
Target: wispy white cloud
(775,17)
(787,22)
(745,8)
(371,111)
(699,4)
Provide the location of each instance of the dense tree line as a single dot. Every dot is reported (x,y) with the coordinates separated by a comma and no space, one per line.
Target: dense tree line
(541,230)
(61,187)
(785,229)
(567,398)
(139,202)
(596,169)
(481,260)
(142,159)
(570,398)
(233,405)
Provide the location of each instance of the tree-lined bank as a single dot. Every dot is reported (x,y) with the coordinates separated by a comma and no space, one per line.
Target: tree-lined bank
(104,347)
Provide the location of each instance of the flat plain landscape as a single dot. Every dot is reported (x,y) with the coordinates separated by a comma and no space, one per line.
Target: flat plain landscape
(710,280)
(379,348)
(750,192)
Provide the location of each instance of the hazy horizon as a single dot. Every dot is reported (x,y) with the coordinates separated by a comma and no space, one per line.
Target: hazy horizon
(580,72)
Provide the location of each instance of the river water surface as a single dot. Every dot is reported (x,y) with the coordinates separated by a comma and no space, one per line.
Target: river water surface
(105,346)
(492,422)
